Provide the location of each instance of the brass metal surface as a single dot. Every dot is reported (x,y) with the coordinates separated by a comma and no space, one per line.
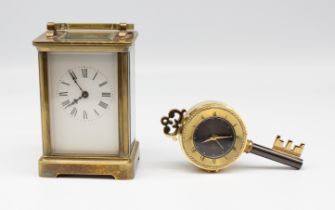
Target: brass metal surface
(44,100)
(54,166)
(86,37)
(89,26)
(296,151)
(124,106)
(173,122)
(120,165)
(248,148)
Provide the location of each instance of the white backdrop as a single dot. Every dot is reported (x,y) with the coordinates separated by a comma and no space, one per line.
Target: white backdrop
(273,61)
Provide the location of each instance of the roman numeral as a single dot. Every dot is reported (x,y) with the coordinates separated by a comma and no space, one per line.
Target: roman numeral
(102,84)
(96,112)
(84,114)
(65,83)
(103,104)
(84,73)
(74,111)
(64,103)
(95,75)
(63,93)
(106,94)
(73,75)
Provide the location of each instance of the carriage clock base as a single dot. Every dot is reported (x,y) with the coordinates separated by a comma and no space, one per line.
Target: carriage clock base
(117,168)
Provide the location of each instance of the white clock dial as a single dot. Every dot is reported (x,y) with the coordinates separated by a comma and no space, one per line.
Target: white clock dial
(83,101)
(85,93)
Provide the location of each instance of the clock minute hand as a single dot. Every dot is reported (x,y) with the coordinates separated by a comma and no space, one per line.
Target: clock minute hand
(74,78)
(215,138)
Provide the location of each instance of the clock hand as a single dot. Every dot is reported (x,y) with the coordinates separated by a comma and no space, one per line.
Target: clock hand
(219,145)
(74,78)
(84,94)
(215,138)
(75,101)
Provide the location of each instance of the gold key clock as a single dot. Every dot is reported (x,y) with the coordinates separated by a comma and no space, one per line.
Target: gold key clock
(213,136)
(87,100)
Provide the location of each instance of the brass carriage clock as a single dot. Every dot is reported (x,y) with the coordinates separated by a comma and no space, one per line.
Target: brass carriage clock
(87,100)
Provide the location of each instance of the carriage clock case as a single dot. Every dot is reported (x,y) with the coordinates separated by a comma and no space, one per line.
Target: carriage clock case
(86,74)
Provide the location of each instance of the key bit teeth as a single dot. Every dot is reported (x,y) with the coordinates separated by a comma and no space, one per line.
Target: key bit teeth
(289,145)
(278,142)
(298,149)
(278,145)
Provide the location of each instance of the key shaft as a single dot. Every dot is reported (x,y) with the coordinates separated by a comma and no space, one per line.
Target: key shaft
(279,157)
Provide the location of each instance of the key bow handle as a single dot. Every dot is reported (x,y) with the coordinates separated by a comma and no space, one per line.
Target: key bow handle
(172,123)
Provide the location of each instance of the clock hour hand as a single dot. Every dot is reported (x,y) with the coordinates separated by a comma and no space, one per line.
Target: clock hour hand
(74,78)
(84,94)
(75,101)
(218,143)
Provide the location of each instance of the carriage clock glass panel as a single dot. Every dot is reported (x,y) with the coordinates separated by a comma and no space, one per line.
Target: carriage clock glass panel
(83,97)
(132,94)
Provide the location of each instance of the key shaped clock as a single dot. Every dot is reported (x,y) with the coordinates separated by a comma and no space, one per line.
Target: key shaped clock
(213,136)
(87,100)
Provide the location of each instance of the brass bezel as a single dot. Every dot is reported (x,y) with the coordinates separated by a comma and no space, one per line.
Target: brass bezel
(194,117)
(121,165)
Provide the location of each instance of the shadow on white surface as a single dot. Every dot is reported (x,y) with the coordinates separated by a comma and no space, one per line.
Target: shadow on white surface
(246,167)
(186,167)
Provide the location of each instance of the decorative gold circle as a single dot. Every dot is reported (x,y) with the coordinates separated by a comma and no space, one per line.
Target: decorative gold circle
(198,114)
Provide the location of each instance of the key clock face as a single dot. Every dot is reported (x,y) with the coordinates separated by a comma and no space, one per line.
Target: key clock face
(85,93)
(83,101)
(213,136)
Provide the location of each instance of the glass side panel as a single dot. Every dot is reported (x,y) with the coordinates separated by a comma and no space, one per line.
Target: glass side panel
(132,93)
(80,35)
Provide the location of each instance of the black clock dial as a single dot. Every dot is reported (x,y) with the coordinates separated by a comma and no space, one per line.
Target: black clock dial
(214,137)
